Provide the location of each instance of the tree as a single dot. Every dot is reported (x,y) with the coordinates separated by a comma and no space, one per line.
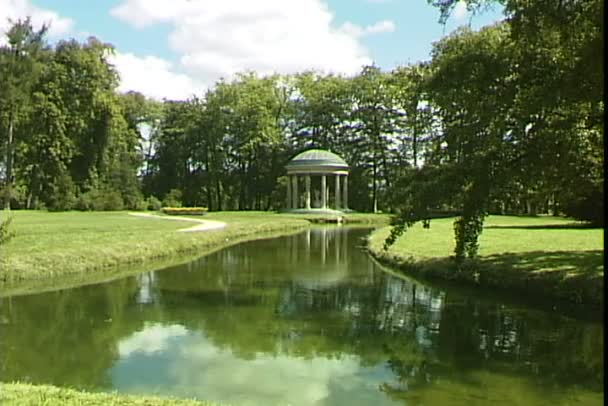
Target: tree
(471,88)
(559,108)
(21,61)
(374,121)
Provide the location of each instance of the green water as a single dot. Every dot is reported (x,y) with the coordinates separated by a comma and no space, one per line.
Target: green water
(301,320)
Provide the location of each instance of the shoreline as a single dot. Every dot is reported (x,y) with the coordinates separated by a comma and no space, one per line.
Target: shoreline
(557,290)
(57,267)
(24,394)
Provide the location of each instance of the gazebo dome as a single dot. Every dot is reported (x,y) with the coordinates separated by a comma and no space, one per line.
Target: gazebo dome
(316,161)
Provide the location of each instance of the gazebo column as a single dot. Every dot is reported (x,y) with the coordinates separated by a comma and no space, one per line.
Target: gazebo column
(337,192)
(307,182)
(295,199)
(323,192)
(345,199)
(289,192)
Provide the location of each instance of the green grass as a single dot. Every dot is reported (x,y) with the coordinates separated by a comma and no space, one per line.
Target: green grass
(19,394)
(51,250)
(553,257)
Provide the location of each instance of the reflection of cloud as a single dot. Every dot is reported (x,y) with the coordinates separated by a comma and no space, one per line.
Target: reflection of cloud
(192,366)
(153,338)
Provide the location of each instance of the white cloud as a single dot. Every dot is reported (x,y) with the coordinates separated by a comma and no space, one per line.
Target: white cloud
(154,77)
(460,11)
(380,26)
(358,31)
(20,9)
(218,39)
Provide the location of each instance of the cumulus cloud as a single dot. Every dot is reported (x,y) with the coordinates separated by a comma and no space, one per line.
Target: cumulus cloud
(460,11)
(20,9)
(381,26)
(218,39)
(154,77)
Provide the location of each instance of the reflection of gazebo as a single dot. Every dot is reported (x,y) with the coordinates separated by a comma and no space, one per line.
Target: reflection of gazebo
(319,164)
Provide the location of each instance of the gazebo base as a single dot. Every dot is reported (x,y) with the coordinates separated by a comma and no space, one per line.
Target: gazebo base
(326,211)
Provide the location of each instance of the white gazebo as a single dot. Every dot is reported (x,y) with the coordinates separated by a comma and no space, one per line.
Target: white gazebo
(313,167)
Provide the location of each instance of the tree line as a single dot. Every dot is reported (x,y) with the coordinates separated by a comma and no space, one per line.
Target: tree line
(507,119)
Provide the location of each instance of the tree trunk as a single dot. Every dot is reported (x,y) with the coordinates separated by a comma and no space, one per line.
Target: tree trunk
(8,190)
(374,188)
(218,192)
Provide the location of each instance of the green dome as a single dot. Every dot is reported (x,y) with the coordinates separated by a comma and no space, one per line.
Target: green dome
(317,157)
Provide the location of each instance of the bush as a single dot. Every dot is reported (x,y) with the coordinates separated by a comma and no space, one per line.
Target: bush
(62,196)
(91,200)
(153,203)
(84,202)
(588,208)
(191,211)
(173,198)
(112,200)
(99,201)
(134,201)
(5,233)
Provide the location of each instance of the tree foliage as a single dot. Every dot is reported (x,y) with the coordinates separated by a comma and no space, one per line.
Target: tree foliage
(507,119)
(519,107)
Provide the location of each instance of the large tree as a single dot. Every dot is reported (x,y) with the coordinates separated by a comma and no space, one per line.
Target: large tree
(21,61)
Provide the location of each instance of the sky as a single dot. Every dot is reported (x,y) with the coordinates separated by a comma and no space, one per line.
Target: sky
(178,48)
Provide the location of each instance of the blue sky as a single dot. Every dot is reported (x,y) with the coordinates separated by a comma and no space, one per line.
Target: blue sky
(173,48)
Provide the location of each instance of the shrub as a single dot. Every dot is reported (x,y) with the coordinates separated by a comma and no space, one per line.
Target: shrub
(84,202)
(5,233)
(62,196)
(112,200)
(153,203)
(191,211)
(134,201)
(173,198)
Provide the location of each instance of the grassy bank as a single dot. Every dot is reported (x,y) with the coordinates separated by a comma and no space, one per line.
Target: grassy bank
(19,394)
(548,257)
(72,248)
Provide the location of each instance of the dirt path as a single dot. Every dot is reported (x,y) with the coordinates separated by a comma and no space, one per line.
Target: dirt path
(203,225)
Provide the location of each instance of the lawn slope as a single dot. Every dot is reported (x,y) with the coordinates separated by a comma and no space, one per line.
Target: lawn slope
(552,257)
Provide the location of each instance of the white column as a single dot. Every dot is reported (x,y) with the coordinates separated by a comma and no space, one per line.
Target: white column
(307,179)
(345,200)
(337,192)
(288,192)
(323,192)
(295,199)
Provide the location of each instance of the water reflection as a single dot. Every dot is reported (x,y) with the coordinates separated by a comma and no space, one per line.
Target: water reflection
(307,319)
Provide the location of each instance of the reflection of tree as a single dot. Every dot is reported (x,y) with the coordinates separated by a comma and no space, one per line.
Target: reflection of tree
(277,297)
(423,335)
(66,337)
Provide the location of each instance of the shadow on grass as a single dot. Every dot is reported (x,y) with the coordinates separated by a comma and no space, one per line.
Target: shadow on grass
(564,279)
(568,226)
(572,276)
(588,264)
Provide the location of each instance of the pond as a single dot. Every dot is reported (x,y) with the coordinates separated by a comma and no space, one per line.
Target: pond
(307,319)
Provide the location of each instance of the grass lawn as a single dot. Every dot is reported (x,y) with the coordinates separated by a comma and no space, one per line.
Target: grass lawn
(550,256)
(19,394)
(71,248)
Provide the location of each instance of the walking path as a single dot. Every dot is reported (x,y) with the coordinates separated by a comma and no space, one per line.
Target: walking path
(204,225)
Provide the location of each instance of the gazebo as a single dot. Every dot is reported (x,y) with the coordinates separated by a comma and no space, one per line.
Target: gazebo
(313,167)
